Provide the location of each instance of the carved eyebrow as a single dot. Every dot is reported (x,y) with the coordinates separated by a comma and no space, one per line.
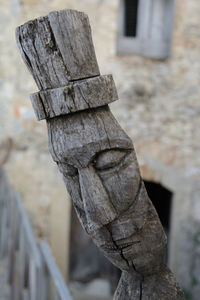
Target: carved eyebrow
(82,156)
(109,158)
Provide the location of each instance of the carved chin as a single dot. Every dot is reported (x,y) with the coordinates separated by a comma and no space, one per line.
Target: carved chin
(145,262)
(122,256)
(130,258)
(116,258)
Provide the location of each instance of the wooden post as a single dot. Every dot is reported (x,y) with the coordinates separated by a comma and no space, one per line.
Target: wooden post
(94,154)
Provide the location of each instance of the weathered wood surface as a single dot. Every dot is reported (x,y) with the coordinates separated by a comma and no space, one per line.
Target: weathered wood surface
(58,48)
(101,172)
(81,95)
(73,36)
(29,268)
(158,286)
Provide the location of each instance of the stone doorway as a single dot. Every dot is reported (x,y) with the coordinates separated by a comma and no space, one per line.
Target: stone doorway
(161,198)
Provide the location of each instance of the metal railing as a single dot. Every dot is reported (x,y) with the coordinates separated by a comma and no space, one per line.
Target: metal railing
(32,271)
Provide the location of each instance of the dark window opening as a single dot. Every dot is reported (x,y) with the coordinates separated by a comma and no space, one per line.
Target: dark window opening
(130,18)
(162,201)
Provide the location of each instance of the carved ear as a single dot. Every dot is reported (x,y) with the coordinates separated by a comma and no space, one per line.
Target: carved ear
(73,188)
(82,218)
(67,170)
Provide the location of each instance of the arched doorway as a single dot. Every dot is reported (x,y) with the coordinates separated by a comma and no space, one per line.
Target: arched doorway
(161,198)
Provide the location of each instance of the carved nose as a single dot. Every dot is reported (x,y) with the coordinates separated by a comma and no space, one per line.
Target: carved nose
(97,205)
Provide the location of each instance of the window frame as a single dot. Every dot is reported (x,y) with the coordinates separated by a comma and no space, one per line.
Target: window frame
(151,40)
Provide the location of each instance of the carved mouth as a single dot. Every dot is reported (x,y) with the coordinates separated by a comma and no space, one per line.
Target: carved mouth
(119,248)
(125,246)
(110,248)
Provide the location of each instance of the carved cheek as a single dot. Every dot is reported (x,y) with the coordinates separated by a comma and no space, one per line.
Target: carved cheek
(73,188)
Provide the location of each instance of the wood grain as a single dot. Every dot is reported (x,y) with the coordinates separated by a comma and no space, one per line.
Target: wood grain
(77,96)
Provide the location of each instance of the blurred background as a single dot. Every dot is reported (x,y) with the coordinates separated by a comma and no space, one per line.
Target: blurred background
(152,48)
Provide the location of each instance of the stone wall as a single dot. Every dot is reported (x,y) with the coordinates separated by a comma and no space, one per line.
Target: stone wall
(159,108)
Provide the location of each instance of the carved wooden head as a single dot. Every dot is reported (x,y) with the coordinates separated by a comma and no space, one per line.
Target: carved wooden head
(101,173)
(93,153)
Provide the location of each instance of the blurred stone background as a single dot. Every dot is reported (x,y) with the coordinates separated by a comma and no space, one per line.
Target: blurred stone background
(159,108)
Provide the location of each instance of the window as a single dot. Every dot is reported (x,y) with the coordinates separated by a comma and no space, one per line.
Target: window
(145,27)
(130,17)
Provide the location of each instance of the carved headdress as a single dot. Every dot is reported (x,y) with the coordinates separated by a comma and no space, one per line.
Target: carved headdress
(65,69)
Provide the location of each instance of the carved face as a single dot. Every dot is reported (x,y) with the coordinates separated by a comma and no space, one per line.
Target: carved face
(101,173)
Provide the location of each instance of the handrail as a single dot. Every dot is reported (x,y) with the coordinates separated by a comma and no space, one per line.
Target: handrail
(33,273)
(61,288)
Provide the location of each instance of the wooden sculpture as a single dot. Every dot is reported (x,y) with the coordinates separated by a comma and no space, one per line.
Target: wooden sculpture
(94,154)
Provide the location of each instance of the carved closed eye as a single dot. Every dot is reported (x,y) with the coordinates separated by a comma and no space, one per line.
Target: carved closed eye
(109,159)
